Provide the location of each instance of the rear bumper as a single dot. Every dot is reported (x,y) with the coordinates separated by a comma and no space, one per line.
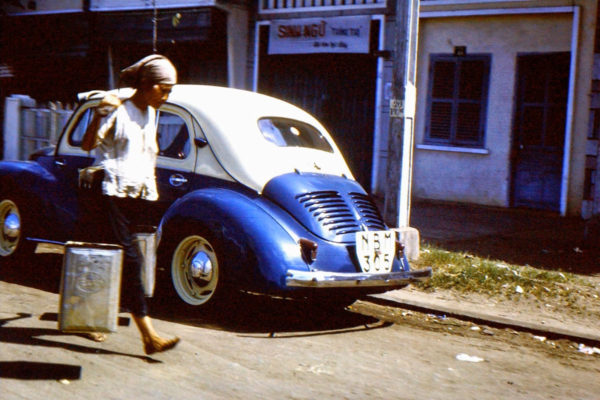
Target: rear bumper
(297,278)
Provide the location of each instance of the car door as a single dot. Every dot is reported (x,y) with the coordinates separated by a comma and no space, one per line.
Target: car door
(65,164)
(177,153)
(175,162)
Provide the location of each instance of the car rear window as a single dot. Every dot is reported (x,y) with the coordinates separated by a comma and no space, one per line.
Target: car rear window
(285,132)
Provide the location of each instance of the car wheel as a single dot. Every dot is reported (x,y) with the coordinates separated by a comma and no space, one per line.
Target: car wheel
(11,236)
(197,269)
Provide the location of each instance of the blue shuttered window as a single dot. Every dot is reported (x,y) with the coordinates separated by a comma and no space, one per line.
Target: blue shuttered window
(457,99)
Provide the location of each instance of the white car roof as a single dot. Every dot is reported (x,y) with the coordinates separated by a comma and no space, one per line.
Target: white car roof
(229,118)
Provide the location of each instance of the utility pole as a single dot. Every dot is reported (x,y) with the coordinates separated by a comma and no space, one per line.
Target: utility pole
(154,26)
(402,114)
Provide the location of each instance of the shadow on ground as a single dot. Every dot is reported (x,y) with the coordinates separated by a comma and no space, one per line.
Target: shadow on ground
(30,370)
(246,314)
(42,337)
(41,271)
(263,315)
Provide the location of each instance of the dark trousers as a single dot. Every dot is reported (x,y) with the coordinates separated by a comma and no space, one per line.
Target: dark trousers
(108,219)
(120,216)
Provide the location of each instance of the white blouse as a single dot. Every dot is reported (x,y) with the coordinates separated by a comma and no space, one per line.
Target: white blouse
(128,153)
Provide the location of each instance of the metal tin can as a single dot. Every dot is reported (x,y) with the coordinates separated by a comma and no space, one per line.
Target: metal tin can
(90,287)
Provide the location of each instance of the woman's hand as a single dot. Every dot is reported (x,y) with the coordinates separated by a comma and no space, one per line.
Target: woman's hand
(107,105)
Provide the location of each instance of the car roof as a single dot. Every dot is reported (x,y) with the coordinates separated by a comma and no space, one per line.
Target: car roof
(229,119)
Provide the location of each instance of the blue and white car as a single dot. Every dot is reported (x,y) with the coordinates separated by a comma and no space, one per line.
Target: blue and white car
(254,196)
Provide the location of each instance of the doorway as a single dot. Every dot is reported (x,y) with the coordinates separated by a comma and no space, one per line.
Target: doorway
(539,130)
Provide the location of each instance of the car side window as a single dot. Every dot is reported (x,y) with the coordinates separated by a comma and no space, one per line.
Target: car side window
(76,135)
(173,136)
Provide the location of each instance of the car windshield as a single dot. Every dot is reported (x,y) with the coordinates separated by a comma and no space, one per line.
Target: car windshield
(285,132)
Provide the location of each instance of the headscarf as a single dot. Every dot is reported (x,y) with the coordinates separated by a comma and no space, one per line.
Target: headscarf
(153,69)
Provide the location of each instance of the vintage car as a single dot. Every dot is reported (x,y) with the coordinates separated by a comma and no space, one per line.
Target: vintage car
(254,196)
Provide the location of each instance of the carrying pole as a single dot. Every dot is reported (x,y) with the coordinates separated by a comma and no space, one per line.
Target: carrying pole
(402,114)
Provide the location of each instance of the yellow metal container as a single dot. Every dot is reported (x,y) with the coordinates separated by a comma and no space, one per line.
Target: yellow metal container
(90,287)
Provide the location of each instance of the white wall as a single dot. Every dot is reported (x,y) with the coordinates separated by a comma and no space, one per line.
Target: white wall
(476,177)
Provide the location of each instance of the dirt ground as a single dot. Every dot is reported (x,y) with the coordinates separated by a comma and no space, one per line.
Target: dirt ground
(263,348)
(528,309)
(539,239)
(567,351)
(578,306)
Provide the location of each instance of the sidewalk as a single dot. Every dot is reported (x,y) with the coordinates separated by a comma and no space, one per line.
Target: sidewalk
(537,238)
(484,311)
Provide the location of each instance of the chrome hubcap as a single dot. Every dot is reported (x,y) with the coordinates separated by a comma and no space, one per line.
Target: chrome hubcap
(10,221)
(195,270)
(12,226)
(201,267)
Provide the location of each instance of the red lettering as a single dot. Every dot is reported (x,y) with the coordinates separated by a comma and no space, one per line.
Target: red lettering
(309,31)
(285,31)
(322,28)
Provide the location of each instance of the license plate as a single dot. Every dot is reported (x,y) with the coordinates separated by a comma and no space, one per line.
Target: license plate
(375,250)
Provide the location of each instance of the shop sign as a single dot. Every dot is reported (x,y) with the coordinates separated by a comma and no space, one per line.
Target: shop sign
(320,35)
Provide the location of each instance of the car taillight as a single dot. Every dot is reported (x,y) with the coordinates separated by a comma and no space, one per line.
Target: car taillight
(308,249)
(399,249)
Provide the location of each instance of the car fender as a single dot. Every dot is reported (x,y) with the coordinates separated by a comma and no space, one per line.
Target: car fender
(263,246)
(36,187)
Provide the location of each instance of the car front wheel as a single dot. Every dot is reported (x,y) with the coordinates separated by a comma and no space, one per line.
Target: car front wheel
(12,231)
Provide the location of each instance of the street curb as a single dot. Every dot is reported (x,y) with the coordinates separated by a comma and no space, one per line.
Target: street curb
(482,318)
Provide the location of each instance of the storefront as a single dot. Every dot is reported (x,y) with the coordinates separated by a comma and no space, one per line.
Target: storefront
(329,66)
(195,39)
(55,54)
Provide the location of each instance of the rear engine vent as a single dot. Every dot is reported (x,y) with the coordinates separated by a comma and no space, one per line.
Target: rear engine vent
(368,211)
(331,211)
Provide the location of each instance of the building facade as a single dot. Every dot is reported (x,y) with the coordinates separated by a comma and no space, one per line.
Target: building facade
(507,99)
(504,103)
(50,50)
(58,48)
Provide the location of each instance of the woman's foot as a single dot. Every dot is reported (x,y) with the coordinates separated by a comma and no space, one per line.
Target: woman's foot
(96,336)
(159,344)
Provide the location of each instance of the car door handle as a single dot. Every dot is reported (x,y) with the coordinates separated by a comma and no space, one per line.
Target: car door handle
(177,180)
(60,163)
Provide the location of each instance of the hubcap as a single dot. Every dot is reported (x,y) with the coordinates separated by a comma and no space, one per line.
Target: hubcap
(11,227)
(195,270)
(201,267)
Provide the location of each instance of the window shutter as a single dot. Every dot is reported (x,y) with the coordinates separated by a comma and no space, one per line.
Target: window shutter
(457,99)
(441,120)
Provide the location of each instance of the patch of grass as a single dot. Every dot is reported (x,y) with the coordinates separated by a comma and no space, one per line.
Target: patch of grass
(463,272)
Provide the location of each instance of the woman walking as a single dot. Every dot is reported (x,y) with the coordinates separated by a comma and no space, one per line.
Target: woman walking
(124,136)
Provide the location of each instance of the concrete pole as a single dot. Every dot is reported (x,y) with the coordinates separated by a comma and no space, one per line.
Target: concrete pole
(237,39)
(12,128)
(402,113)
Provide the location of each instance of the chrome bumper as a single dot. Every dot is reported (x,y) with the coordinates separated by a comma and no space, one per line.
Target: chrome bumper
(297,278)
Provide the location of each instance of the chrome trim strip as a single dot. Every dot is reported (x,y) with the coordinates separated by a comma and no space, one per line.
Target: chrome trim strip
(297,278)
